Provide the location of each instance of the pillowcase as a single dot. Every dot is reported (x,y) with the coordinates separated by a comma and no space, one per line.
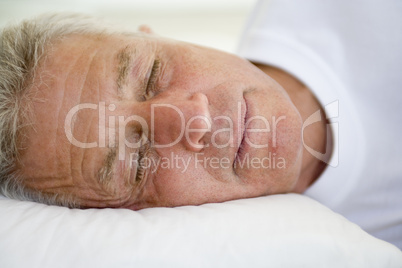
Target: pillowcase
(277,231)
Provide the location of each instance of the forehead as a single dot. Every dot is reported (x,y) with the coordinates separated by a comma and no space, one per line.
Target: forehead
(80,69)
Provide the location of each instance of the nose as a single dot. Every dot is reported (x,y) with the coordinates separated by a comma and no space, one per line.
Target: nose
(181,120)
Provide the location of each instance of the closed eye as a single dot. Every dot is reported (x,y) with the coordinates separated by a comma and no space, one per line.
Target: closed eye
(144,162)
(151,87)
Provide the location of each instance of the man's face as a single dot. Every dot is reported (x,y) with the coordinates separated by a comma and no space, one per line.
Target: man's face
(141,121)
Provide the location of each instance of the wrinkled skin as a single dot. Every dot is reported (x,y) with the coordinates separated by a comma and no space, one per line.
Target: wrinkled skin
(220,98)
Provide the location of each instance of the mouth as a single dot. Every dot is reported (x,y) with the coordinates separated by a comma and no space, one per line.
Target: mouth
(241,141)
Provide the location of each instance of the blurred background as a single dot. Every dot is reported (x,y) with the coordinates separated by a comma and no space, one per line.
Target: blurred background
(214,23)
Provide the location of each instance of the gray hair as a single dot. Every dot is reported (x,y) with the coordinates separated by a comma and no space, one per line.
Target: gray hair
(21,48)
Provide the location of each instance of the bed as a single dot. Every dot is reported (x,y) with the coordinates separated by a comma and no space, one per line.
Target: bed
(288,230)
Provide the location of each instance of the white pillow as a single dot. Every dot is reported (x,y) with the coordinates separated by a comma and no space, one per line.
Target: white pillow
(276,231)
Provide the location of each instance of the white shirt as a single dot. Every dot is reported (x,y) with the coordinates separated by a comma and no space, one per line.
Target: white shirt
(349,53)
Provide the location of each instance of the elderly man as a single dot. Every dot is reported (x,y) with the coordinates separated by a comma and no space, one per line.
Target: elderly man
(96,117)
(95,105)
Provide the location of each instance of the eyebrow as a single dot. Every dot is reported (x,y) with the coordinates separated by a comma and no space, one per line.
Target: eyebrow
(105,173)
(124,57)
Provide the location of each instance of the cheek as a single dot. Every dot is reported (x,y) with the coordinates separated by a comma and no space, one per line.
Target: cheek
(177,181)
(191,184)
(199,70)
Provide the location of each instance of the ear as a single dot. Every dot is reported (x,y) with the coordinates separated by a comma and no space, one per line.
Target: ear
(145,29)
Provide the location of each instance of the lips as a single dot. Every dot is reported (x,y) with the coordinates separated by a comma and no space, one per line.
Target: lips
(242,120)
